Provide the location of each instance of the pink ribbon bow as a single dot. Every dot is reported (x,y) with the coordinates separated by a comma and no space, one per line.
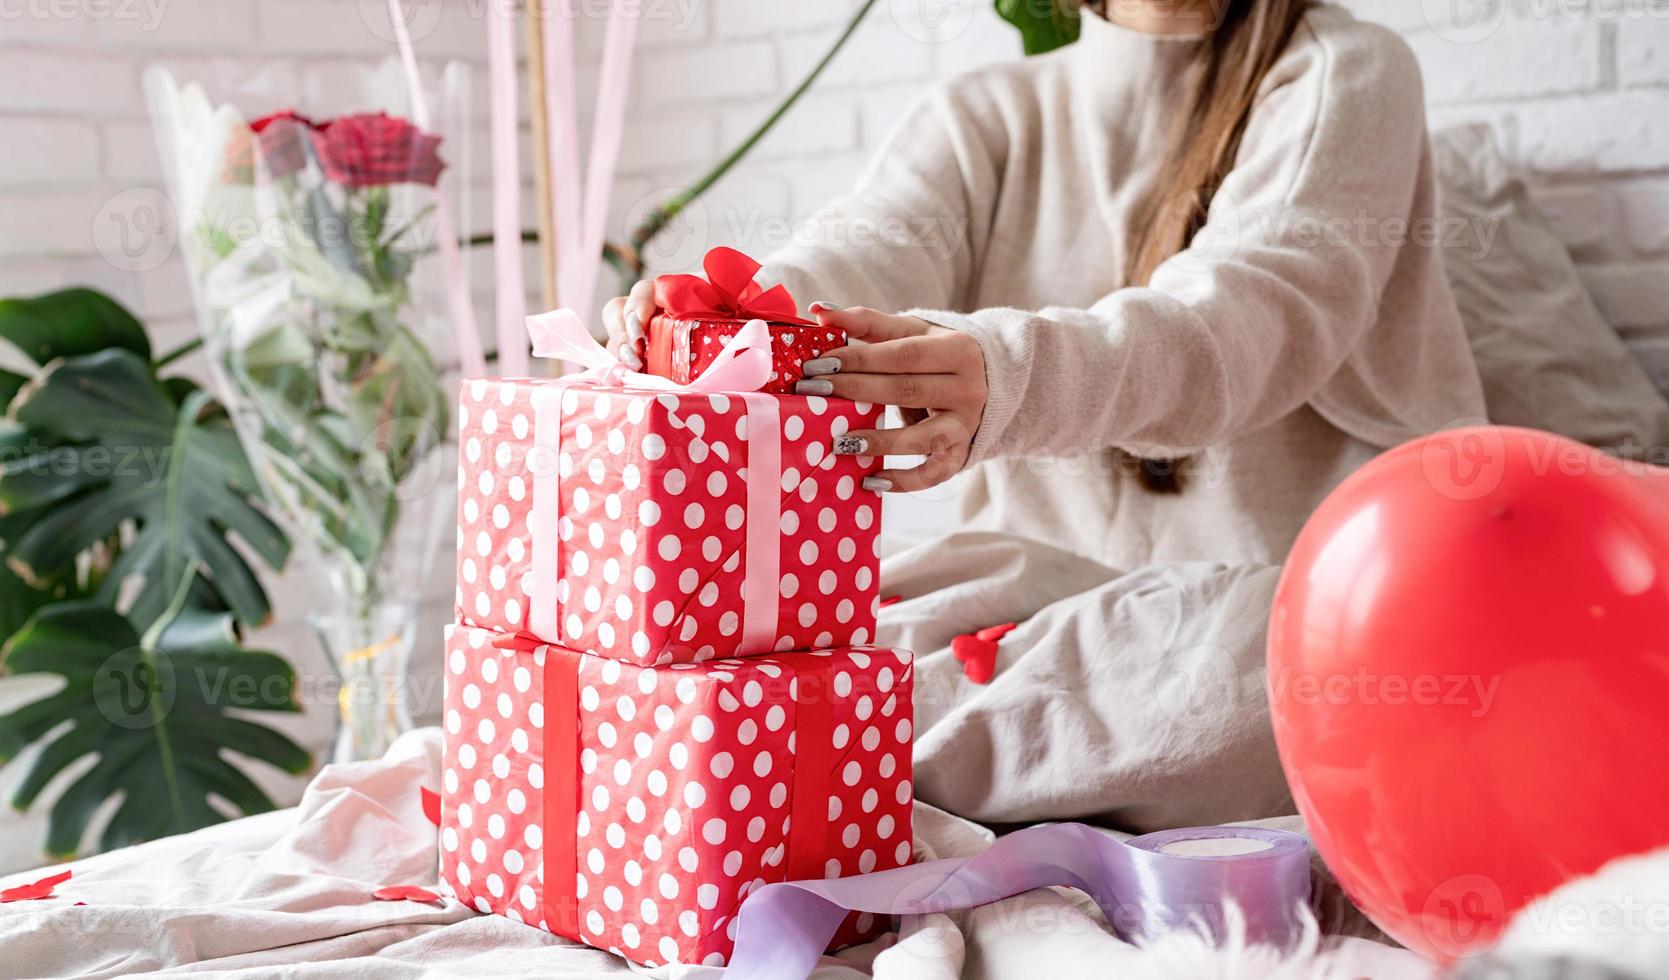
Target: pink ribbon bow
(742,368)
(743,365)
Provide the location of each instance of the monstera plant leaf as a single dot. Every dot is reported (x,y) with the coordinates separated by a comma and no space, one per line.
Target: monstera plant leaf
(1044,24)
(64,324)
(154,710)
(112,448)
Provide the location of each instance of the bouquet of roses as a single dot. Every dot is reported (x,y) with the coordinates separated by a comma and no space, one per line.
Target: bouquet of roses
(303,237)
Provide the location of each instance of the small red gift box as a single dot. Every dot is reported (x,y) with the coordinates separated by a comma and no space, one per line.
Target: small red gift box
(699,315)
(634,808)
(664,526)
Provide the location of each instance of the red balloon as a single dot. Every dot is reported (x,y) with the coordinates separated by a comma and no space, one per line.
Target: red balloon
(1469,677)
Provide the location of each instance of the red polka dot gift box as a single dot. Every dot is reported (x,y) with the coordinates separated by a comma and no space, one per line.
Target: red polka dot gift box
(661,527)
(682,349)
(702,313)
(634,808)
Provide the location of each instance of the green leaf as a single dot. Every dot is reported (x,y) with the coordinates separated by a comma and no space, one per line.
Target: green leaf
(1044,25)
(69,323)
(154,715)
(124,452)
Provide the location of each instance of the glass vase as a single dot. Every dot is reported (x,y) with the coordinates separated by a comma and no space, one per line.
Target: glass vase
(370,651)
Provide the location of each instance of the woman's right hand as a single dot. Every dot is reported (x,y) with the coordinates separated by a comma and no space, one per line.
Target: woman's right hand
(626,317)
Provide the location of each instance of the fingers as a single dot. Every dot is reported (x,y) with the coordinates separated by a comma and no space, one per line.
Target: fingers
(943,353)
(903,390)
(640,308)
(943,439)
(863,323)
(932,472)
(937,434)
(625,317)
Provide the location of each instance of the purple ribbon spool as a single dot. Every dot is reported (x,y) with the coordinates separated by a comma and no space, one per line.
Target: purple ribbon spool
(1145,886)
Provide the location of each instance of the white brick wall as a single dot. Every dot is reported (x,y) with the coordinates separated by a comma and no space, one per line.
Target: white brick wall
(1577,90)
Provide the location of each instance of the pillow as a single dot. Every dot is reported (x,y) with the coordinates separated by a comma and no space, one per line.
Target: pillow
(1547,357)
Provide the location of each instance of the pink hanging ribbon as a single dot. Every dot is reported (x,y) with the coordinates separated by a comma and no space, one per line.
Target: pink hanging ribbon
(467,338)
(741,369)
(510,290)
(579,206)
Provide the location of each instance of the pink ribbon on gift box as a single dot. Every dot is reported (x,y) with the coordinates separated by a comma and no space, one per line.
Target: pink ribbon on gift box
(740,370)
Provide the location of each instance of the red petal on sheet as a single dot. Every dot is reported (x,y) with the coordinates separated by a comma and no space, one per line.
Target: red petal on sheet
(888,600)
(404,893)
(431,804)
(994,633)
(35,889)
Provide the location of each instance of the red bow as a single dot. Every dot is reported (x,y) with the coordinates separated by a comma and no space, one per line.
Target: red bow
(728,293)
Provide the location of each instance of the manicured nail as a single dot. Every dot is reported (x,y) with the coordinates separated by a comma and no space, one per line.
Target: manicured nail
(634,325)
(821,365)
(879,484)
(819,306)
(817,386)
(851,445)
(630,358)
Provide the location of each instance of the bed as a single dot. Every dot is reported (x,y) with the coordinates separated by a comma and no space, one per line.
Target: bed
(290,893)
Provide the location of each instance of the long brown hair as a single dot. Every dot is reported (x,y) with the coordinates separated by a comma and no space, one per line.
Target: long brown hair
(1243,41)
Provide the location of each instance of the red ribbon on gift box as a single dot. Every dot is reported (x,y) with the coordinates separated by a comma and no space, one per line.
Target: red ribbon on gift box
(728,293)
(813,769)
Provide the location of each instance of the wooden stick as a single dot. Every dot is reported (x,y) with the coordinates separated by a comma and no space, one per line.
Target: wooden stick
(534,22)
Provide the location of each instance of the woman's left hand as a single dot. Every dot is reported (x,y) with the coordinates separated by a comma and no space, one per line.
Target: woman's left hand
(934,375)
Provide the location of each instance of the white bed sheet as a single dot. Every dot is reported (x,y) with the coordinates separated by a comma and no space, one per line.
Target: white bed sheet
(289,894)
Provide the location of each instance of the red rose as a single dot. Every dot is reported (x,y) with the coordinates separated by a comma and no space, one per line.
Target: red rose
(278,140)
(372,149)
(283,115)
(281,141)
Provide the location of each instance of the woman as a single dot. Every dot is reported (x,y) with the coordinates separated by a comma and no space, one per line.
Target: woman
(1180,281)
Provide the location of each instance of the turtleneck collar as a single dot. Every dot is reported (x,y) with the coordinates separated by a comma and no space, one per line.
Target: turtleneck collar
(1119,60)
(1102,35)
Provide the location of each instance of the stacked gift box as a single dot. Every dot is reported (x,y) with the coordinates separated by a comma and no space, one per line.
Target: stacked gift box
(660,690)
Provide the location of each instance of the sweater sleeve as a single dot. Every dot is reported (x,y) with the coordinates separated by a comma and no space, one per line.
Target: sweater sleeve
(901,236)
(1261,309)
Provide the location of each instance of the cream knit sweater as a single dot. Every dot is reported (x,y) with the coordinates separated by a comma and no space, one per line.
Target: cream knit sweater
(1306,328)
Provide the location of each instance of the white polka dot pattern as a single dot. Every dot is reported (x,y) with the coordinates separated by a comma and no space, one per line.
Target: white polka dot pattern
(693,344)
(686,786)
(652,529)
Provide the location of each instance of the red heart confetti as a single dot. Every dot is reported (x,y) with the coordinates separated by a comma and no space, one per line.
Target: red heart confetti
(978,657)
(404,893)
(431,804)
(994,633)
(34,890)
(977,651)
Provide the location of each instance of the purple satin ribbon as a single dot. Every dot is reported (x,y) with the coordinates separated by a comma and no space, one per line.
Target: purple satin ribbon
(783,928)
